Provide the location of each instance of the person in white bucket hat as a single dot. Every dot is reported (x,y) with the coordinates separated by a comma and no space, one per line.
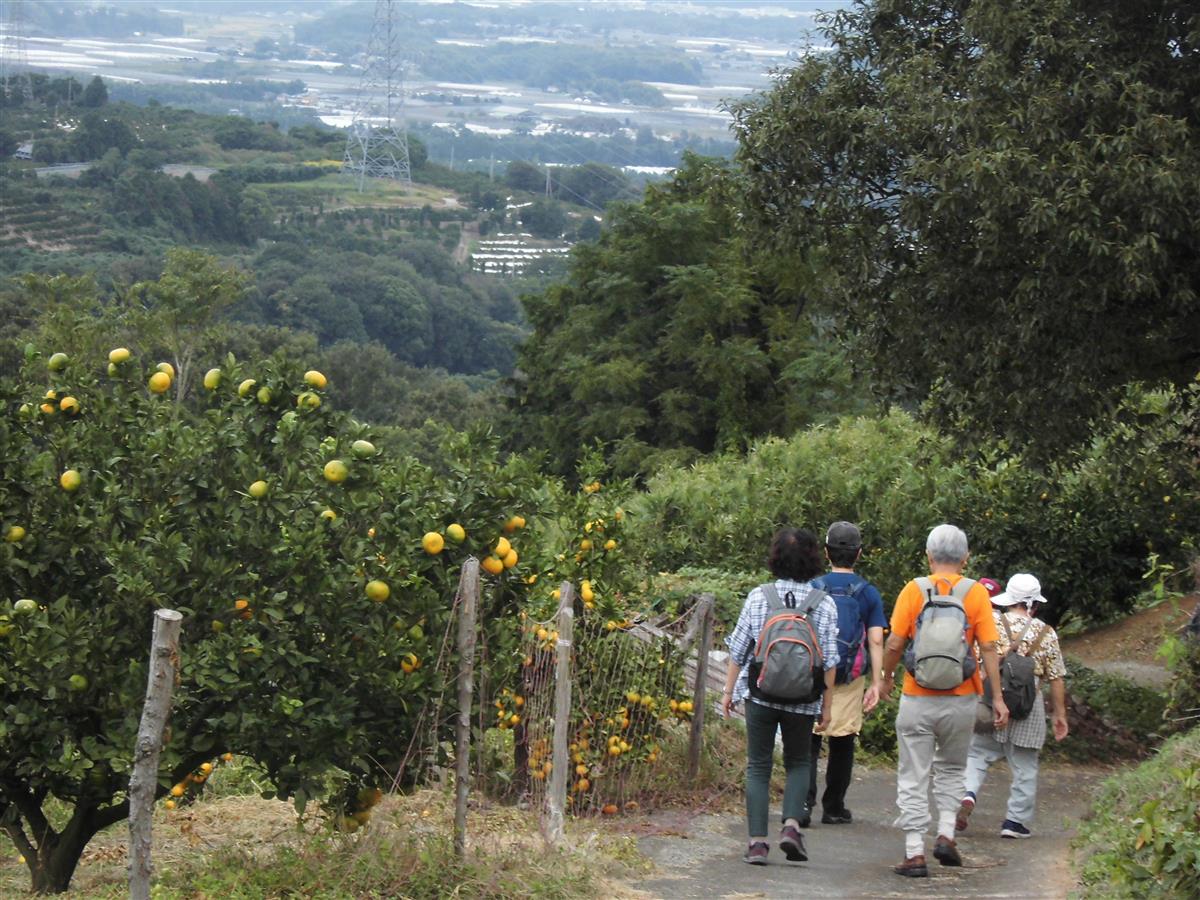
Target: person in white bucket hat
(1020,741)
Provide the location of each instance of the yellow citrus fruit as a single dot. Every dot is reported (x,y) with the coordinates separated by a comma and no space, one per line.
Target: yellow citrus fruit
(584,784)
(585,545)
(212,379)
(492,565)
(160,383)
(363,449)
(246,387)
(336,471)
(542,634)
(48,408)
(510,559)
(169,805)
(685,706)
(228,757)
(514,719)
(206,767)
(610,544)
(315,379)
(456,533)
(264,395)
(308,400)
(433,543)
(502,548)
(586,592)
(167,369)
(69,405)
(57,362)
(15,534)
(241,603)
(581,770)
(328,514)
(178,790)
(258,490)
(70,480)
(378,590)
(118,356)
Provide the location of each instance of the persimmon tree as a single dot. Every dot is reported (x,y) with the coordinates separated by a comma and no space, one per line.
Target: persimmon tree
(229,509)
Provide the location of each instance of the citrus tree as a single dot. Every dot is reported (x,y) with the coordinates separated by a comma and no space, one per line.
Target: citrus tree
(316,574)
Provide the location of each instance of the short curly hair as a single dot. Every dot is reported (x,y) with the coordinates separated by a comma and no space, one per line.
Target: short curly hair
(795,554)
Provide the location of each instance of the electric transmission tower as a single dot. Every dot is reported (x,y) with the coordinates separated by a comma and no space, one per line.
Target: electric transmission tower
(14,61)
(377,145)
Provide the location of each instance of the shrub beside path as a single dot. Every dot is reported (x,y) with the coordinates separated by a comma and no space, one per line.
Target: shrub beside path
(700,856)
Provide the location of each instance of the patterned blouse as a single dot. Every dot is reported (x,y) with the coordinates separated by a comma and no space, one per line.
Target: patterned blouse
(1048,665)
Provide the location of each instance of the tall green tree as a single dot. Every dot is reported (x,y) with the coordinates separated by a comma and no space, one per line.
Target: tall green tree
(671,338)
(1007,192)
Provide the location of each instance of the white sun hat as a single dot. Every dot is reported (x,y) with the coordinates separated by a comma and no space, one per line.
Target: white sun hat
(1022,588)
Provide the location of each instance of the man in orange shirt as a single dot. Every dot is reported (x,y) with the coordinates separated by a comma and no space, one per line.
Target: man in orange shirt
(937,709)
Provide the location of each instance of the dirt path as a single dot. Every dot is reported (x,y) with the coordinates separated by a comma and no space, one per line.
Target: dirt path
(700,857)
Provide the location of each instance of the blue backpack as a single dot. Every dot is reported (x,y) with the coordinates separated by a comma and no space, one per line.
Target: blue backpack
(852,634)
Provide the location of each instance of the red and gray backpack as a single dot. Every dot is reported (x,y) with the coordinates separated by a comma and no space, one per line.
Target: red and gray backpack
(788,666)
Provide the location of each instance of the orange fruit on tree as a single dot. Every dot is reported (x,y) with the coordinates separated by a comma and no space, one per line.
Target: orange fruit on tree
(14,534)
(609,809)
(456,533)
(246,387)
(502,547)
(335,471)
(433,543)
(57,362)
(159,383)
(69,405)
(510,559)
(119,355)
(212,379)
(315,379)
(70,480)
(167,369)
(257,489)
(378,590)
(492,565)
(177,790)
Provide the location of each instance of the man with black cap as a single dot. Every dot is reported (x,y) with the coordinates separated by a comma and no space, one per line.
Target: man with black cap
(860,644)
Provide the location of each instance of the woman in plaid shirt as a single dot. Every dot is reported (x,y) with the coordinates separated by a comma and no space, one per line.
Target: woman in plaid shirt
(1022,739)
(795,559)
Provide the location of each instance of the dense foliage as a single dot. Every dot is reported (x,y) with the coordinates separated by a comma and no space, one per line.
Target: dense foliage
(898,478)
(1143,837)
(1006,191)
(671,339)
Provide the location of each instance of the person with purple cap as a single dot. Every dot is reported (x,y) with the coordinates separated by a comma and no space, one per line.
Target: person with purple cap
(1020,740)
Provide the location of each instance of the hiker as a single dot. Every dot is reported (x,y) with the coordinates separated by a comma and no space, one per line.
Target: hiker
(783,678)
(1023,634)
(860,650)
(942,615)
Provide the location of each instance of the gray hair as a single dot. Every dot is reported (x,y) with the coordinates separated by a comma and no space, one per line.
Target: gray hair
(947,545)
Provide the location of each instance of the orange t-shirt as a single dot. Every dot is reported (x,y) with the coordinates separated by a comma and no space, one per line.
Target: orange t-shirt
(980,627)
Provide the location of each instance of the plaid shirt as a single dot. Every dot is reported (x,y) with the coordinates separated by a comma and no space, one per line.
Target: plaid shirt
(1048,665)
(744,636)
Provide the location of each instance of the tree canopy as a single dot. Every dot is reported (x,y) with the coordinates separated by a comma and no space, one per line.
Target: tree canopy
(1006,192)
(670,338)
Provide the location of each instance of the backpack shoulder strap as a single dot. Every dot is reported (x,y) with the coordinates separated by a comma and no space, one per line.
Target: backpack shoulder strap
(812,601)
(1007,631)
(774,602)
(818,582)
(961,588)
(1037,641)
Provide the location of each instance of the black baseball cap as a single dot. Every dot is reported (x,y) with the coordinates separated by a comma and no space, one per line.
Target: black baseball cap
(843,536)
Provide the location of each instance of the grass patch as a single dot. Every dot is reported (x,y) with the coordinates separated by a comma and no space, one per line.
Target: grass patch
(1142,838)
(247,848)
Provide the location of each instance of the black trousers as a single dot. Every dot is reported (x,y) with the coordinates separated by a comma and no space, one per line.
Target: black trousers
(837,772)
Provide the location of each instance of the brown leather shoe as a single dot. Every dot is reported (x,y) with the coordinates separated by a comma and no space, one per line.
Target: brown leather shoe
(945,851)
(913,867)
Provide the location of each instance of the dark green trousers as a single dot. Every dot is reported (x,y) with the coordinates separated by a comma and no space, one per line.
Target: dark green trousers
(762,723)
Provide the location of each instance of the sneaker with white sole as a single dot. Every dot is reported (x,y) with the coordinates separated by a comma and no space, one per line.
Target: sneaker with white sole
(1011,829)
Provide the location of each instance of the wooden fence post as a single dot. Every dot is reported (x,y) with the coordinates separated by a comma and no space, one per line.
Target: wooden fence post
(556,798)
(143,781)
(704,610)
(468,600)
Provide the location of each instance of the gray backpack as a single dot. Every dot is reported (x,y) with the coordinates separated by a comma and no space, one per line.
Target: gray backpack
(788,666)
(938,656)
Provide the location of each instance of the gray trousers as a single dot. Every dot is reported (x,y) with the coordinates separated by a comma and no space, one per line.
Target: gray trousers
(934,734)
(1022,762)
